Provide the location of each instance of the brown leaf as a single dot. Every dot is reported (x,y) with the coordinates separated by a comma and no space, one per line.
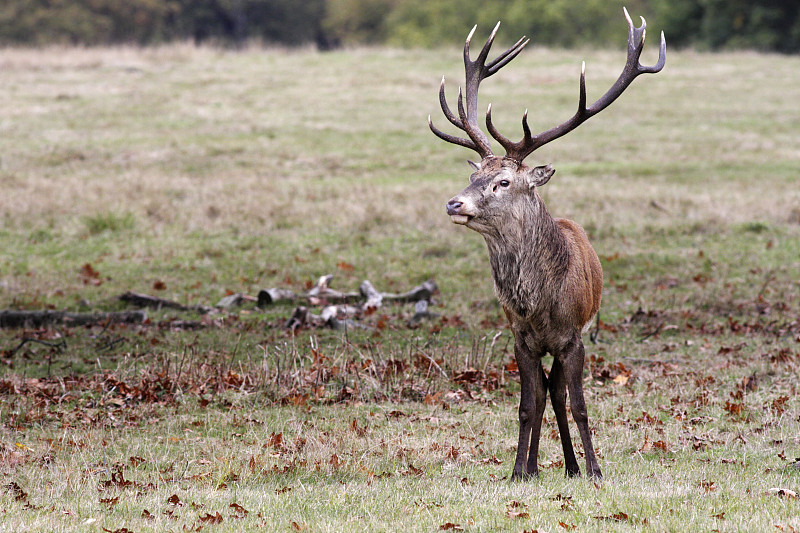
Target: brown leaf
(514,514)
(159,285)
(708,486)
(110,502)
(19,494)
(449,526)
(568,527)
(413,471)
(89,276)
(174,500)
(616,517)
(345,267)
(360,431)
(336,462)
(211,519)
(147,515)
(136,461)
(241,512)
(299,526)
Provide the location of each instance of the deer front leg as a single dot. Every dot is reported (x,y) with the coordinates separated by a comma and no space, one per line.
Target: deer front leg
(531,409)
(572,360)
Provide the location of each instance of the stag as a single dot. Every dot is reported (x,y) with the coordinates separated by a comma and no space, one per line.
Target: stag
(546,274)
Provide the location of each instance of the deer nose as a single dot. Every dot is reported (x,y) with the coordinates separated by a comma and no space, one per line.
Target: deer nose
(453,206)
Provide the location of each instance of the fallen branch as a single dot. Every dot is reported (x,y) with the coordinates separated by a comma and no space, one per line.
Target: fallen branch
(421,313)
(138,299)
(322,293)
(332,316)
(38,319)
(421,292)
(341,316)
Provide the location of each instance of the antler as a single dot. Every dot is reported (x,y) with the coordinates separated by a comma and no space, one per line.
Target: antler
(520,150)
(476,71)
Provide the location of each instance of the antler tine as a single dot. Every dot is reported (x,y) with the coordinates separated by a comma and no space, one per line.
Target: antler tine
(454,120)
(504,58)
(466,143)
(510,146)
(476,71)
(481,60)
(632,69)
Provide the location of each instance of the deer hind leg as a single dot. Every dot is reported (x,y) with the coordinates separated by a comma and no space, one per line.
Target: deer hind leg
(558,397)
(531,409)
(572,359)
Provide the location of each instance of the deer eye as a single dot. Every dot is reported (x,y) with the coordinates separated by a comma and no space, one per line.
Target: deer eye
(505,183)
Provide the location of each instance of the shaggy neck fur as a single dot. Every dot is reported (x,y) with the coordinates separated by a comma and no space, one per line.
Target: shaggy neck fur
(529,257)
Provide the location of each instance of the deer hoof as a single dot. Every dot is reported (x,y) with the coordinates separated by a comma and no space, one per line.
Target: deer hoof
(523,476)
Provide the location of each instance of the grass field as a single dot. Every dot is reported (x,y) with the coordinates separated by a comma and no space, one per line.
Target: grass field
(193,173)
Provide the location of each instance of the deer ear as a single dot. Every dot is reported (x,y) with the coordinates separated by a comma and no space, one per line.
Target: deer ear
(474,165)
(538,176)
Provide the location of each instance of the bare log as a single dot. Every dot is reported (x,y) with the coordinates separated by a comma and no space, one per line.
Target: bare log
(322,293)
(145,300)
(271,296)
(137,299)
(421,313)
(371,294)
(38,319)
(234,300)
(424,291)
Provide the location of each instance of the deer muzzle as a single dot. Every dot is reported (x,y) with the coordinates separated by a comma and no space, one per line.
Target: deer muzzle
(455,208)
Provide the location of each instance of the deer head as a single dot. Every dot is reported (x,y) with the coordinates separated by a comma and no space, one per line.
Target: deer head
(506,183)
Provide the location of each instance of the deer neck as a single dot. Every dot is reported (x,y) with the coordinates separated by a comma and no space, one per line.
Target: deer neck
(529,257)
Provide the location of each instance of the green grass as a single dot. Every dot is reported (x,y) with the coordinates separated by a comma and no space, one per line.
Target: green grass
(193,173)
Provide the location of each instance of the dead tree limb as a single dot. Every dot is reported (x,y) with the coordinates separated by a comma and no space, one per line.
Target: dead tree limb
(137,299)
(145,300)
(322,293)
(38,319)
(424,291)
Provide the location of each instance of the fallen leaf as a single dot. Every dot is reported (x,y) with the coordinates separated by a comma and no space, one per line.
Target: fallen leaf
(19,494)
(616,517)
(211,519)
(335,462)
(241,512)
(708,486)
(174,500)
(110,502)
(623,378)
(89,276)
(449,526)
(344,266)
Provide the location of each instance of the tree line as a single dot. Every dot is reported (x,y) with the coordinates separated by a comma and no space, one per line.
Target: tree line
(769,25)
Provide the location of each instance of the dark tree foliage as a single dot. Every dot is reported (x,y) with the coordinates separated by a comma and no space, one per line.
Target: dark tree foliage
(769,25)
